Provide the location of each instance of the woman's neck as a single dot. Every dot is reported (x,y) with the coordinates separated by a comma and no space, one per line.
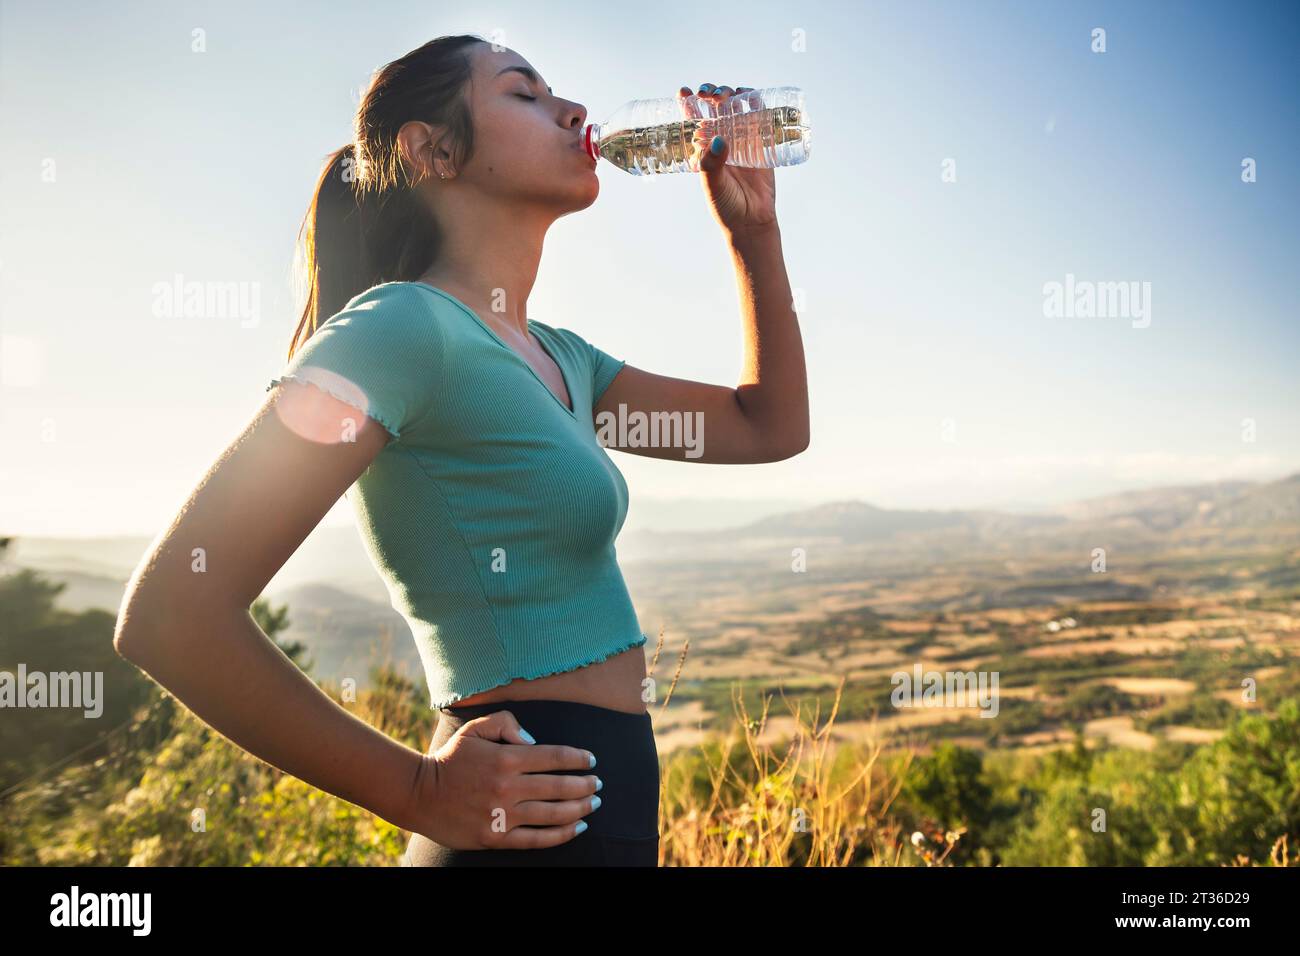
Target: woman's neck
(489,261)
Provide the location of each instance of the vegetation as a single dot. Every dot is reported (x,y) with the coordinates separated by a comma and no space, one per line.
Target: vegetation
(148,784)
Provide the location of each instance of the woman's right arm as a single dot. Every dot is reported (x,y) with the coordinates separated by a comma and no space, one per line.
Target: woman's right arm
(185,621)
(185,616)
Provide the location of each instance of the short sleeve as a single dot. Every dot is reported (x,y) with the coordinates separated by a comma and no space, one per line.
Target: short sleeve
(603,369)
(379,354)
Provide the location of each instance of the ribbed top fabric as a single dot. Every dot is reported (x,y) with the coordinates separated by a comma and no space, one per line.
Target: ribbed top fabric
(491,515)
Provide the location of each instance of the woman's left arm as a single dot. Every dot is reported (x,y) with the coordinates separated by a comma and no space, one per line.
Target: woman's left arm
(765,418)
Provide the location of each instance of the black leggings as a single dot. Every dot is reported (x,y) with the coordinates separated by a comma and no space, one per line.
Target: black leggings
(622,831)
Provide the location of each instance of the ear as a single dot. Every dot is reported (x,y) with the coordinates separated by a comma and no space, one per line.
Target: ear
(422,156)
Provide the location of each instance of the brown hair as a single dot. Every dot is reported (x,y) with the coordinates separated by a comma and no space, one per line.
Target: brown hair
(365,224)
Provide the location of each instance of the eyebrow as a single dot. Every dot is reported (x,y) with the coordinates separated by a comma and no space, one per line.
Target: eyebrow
(528,72)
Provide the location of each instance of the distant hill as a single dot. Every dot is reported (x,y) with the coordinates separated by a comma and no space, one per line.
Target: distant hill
(1161,509)
(107,557)
(850,519)
(344,632)
(1277,502)
(857,521)
(329,554)
(1239,504)
(85,592)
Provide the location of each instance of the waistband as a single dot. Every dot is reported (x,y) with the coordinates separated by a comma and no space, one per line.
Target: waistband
(571,708)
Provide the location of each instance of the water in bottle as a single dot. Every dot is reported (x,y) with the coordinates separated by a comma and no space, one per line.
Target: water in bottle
(763,128)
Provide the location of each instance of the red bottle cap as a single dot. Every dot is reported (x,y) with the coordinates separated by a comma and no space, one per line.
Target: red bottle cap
(589,141)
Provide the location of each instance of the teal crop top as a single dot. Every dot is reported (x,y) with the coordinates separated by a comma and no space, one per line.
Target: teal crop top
(491,515)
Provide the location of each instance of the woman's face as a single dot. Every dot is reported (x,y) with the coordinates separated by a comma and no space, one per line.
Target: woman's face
(527,141)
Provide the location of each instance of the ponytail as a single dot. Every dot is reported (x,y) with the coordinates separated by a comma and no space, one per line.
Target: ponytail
(366,224)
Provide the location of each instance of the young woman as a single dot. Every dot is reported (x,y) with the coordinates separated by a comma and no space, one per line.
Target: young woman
(464,434)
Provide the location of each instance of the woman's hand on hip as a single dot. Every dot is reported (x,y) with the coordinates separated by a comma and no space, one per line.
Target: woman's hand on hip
(488,788)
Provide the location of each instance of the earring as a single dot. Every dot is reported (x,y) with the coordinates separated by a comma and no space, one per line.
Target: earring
(440,175)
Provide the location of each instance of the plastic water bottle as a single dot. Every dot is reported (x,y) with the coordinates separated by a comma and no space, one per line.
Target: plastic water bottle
(763,128)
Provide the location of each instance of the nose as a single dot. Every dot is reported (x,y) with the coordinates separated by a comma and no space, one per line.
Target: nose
(575,116)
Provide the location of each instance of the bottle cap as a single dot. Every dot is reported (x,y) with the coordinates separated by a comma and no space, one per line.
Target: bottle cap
(589,140)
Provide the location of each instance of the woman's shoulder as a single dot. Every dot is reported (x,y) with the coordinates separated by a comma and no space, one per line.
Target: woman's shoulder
(397,313)
(421,305)
(388,325)
(394,298)
(381,353)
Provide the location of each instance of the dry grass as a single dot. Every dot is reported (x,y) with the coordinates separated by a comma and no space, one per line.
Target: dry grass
(802,800)
(1278,856)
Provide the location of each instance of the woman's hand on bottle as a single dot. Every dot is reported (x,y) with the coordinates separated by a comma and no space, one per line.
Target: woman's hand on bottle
(743,199)
(488,788)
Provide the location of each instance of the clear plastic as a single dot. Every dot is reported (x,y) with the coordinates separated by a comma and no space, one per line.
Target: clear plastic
(763,128)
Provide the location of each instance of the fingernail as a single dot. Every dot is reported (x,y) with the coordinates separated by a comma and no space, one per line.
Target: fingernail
(592,758)
(706,87)
(715,146)
(526,735)
(595,802)
(582,825)
(599,783)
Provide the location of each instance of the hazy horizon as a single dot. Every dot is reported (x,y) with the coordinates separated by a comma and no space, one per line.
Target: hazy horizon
(695,512)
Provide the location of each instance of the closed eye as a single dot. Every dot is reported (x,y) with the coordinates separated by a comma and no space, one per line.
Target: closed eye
(525,96)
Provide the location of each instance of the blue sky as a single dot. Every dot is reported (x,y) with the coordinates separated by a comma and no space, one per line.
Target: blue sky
(130,159)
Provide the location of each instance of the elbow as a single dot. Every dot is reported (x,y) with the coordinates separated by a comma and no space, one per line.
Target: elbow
(783,452)
(160,616)
(131,616)
(128,631)
(795,446)
(137,625)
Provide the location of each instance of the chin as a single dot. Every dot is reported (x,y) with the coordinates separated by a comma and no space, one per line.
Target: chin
(583,194)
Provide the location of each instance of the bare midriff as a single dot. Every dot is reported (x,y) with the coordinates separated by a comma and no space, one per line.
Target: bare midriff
(615,683)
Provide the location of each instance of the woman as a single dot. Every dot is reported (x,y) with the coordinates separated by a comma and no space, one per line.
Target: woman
(482,493)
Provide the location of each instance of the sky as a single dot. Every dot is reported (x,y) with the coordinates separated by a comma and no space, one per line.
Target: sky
(965,157)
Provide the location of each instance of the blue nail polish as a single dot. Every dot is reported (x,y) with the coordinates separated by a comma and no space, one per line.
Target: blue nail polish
(593,760)
(526,735)
(706,87)
(599,783)
(582,825)
(715,146)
